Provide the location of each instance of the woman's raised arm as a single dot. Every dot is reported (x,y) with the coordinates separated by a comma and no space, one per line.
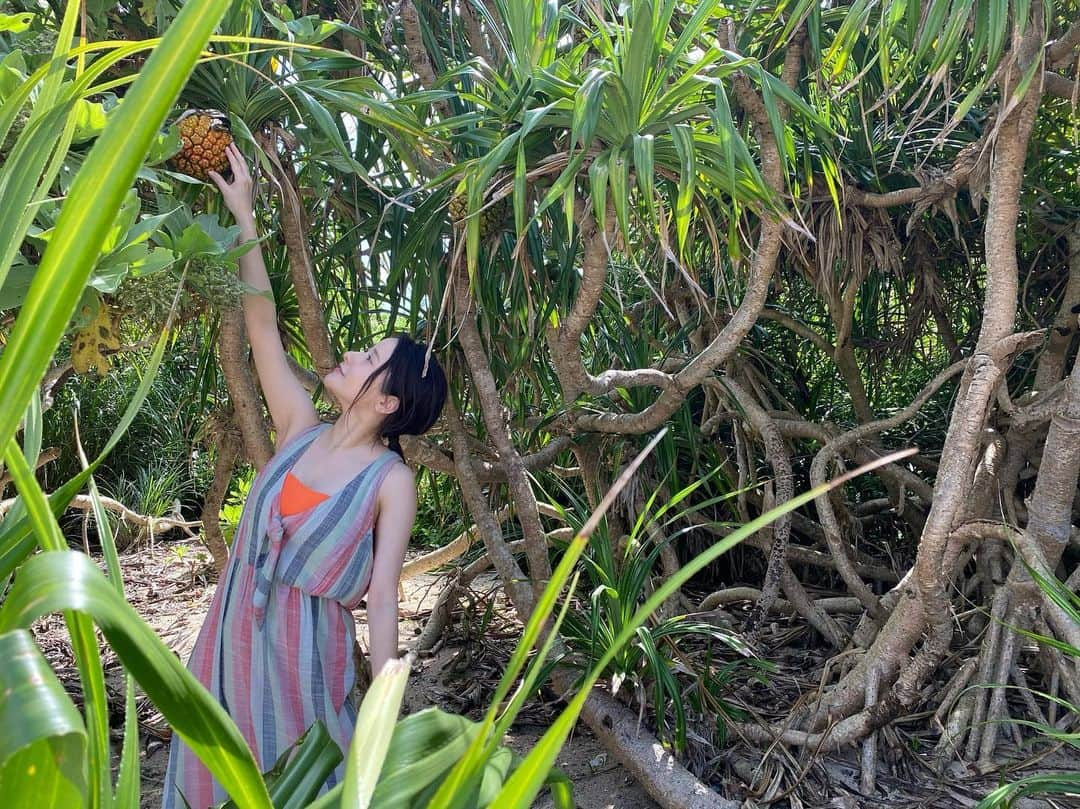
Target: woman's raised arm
(290,406)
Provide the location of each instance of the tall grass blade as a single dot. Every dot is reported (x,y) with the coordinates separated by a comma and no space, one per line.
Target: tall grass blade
(96,194)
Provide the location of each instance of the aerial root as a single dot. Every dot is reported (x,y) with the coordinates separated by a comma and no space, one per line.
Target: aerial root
(868,761)
(974,711)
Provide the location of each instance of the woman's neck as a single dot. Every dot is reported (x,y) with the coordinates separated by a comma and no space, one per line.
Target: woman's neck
(348,433)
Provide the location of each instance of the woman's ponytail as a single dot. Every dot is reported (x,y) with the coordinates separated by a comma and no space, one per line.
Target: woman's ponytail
(394,442)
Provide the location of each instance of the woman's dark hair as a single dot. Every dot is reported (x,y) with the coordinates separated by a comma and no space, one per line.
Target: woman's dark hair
(419,384)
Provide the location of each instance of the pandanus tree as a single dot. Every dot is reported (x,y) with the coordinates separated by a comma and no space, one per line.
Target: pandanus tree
(693,188)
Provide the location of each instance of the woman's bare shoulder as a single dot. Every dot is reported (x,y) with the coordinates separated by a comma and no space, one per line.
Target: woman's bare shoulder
(400,480)
(397,493)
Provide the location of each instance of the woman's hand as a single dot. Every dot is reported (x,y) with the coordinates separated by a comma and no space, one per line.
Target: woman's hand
(237,194)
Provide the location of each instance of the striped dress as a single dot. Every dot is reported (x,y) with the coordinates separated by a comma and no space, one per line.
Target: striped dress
(276,646)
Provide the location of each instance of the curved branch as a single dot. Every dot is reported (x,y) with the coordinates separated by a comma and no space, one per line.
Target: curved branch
(565,338)
(1062,51)
(1061,86)
(422,451)
(46,456)
(799,328)
(779,459)
(228,450)
(420,565)
(735,595)
(823,433)
(957,176)
(819,472)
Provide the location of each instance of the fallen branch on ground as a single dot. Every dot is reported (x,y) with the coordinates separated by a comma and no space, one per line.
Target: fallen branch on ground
(83,502)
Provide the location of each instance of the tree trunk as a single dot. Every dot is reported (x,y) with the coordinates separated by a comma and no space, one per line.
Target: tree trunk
(244,395)
(228,450)
(295,229)
(923,612)
(653,766)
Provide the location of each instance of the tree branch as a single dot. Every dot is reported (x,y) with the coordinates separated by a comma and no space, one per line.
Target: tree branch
(507,567)
(1061,86)
(84,502)
(779,459)
(1063,51)
(494,415)
(799,328)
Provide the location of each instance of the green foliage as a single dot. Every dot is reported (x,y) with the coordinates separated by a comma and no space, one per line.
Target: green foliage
(159,451)
(233,507)
(619,575)
(155,491)
(439,513)
(635,105)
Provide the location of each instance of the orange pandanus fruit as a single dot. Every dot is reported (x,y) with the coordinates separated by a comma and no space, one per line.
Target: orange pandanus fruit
(205,135)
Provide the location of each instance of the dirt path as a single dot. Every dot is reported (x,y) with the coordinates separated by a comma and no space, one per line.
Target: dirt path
(168,586)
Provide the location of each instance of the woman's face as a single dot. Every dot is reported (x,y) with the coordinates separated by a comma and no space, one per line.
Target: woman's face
(346,380)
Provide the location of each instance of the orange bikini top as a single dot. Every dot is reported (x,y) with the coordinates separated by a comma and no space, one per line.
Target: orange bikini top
(296,497)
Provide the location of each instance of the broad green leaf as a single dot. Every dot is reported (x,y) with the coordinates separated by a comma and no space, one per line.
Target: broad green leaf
(424,748)
(32,429)
(375,723)
(16,23)
(81,630)
(301,770)
(16,285)
(43,746)
(90,120)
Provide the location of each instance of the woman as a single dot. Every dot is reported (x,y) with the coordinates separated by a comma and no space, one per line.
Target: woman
(326,523)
